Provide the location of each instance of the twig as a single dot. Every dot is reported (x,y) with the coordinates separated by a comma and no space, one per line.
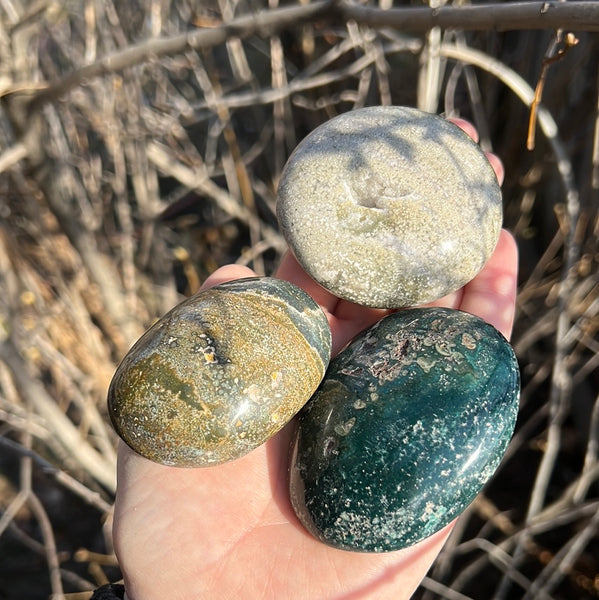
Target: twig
(92,498)
(94,464)
(430,72)
(74,380)
(574,15)
(548,125)
(560,377)
(560,384)
(49,545)
(563,561)
(312,79)
(249,255)
(372,47)
(263,23)
(11,511)
(85,555)
(595,154)
(283,130)
(442,590)
(501,559)
(557,50)
(240,174)
(476,101)
(198,180)
(498,553)
(38,548)
(591,457)
(12,156)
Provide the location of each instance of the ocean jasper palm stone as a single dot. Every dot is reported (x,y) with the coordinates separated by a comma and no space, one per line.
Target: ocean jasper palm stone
(408,424)
(221,373)
(390,206)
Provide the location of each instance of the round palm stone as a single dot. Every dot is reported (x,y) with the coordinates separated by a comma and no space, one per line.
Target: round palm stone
(221,373)
(408,424)
(390,206)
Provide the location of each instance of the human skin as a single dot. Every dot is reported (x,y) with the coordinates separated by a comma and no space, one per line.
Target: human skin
(229,532)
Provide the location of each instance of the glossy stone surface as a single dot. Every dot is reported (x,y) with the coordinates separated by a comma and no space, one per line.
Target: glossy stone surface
(390,206)
(409,423)
(220,373)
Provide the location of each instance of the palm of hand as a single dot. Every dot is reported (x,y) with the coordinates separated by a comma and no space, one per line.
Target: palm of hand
(230,532)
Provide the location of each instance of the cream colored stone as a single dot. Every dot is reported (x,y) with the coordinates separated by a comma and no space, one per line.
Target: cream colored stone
(390,206)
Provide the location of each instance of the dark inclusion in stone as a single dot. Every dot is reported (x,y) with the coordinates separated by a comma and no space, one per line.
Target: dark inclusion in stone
(409,423)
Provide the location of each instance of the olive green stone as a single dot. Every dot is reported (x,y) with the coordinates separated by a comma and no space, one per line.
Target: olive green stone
(409,423)
(390,206)
(221,373)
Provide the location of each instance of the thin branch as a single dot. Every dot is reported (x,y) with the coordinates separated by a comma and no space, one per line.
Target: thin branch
(49,545)
(197,179)
(560,381)
(263,23)
(92,498)
(442,590)
(92,461)
(11,511)
(591,457)
(576,16)
(11,156)
(37,547)
(556,51)
(312,78)
(562,563)
(431,68)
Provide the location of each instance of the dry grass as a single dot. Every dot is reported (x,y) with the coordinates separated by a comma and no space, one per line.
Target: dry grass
(121,194)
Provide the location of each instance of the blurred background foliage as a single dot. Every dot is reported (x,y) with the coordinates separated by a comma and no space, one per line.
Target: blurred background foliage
(130,170)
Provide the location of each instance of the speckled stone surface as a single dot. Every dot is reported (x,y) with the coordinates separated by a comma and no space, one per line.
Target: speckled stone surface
(409,423)
(390,206)
(220,373)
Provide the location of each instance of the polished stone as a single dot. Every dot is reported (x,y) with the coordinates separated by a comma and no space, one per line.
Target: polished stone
(409,423)
(220,373)
(389,206)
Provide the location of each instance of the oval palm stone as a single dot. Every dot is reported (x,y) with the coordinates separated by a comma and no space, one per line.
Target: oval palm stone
(390,206)
(220,373)
(408,424)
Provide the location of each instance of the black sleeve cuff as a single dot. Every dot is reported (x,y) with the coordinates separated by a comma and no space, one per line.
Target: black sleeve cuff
(110,591)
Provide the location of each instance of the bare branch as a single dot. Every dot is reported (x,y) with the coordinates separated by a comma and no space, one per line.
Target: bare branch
(70,438)
(264,23)
(92,498)
(12,156)
(198,180)
(576,15)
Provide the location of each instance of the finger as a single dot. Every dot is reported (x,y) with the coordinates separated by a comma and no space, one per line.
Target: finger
(227,273)
(346,319)
(491,295)
(452,300)
(349,319)
(472,132)
(290,270)
(497,166)
(466,127)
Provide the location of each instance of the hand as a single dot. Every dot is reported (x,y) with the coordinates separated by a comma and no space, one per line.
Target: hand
(230,532)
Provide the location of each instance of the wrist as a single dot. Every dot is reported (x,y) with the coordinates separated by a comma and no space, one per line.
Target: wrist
(110,591)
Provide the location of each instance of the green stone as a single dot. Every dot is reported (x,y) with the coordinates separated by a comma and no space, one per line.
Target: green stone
(221,373)
(389,206)
(409,423)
